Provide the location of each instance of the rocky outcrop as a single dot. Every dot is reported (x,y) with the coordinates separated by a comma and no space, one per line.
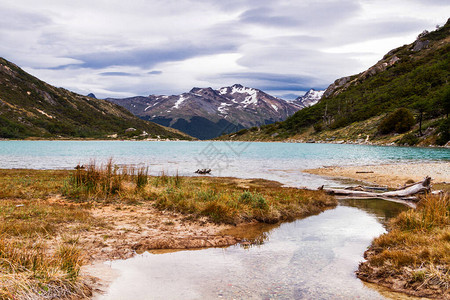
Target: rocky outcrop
(342,84)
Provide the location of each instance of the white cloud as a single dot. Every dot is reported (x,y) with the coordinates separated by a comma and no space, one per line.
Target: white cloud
(122,48)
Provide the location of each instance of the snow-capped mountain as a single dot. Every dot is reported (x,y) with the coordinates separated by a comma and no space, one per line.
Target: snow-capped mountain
(207,113)
(310,98)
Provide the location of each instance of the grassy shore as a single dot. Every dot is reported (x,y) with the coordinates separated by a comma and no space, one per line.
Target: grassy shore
(414,256)
(53,222)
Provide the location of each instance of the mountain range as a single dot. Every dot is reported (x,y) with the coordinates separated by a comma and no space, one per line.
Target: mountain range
(414,77)
(206,113)
(31,108)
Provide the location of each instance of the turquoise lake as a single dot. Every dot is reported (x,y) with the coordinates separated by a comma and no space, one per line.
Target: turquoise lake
(283,162)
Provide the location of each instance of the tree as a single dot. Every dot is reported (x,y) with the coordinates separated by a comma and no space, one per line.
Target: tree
(446,101)
(444,132)
(399,121)
(421,105)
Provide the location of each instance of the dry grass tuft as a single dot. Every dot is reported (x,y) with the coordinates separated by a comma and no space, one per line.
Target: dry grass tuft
(432,212)
(415,252)
(106,182)
(29,271)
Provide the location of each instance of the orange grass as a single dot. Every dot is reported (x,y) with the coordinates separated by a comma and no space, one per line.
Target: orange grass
(416,250)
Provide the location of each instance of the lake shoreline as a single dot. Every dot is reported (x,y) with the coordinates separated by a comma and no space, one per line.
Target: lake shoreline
(339,142)
(288,141)
(390,175)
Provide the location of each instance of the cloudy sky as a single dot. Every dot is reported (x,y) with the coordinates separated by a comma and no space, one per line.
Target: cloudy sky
(117,48)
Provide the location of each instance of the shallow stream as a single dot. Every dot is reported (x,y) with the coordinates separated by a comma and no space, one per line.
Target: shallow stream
(311,258)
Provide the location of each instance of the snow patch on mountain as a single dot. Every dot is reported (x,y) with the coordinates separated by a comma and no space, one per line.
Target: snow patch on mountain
(179,101)
(310,98)
(223,91)
(150,106)
(252,99)
(274,107)
(223,108)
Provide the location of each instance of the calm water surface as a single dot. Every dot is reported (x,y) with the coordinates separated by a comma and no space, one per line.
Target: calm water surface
(283,162)
(312,258)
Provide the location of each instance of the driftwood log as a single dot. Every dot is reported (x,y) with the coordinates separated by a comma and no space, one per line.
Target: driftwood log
(203,171)
(408,192)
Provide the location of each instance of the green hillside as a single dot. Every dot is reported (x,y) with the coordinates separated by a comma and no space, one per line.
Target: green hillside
(31,108)
(414,77)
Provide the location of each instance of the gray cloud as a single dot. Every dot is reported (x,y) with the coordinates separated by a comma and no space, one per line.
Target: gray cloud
(266,16)
(13,19)
(301,14)
(118,74)
(147,58)
(155,72)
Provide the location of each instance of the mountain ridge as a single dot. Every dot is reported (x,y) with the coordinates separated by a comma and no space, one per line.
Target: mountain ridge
(207,113)
(31,108)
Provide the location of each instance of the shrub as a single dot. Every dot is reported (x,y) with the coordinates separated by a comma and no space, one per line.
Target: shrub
(444,132)
(255,200)
(142,177)
(409,139)
(399,121)
(318,127)
(246,197)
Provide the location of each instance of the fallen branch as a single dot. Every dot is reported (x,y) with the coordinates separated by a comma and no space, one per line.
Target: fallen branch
(203,171)
(407,192)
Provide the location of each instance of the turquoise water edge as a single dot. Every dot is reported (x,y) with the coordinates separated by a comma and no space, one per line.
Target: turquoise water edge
(283,162)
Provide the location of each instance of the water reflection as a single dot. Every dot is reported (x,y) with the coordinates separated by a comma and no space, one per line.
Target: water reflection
(383,210)
(253,235)
(312,258)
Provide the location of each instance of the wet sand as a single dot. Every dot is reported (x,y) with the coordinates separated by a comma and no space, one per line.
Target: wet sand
(390,175)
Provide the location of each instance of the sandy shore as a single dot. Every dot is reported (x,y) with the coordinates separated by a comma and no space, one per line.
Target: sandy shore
(391,175)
